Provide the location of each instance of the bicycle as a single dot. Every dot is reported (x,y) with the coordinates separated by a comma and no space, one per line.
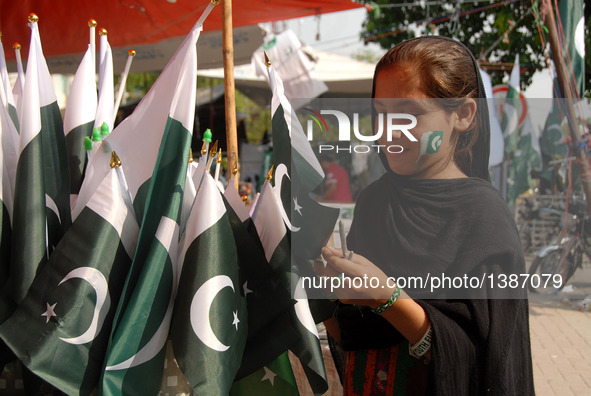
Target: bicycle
(564,254)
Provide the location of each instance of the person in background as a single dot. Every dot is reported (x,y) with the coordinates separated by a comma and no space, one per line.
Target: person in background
(336,182)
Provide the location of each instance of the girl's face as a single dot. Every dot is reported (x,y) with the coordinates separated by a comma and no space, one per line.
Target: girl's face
(430,157)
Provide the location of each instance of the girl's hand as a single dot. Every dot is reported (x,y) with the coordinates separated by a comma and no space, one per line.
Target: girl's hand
(367,284)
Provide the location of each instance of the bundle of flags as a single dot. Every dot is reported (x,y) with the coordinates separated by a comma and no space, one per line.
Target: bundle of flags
(526,148)
(522,147)
(112,243)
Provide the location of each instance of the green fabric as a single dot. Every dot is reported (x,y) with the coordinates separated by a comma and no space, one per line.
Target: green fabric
(48,347)
(77,154)
(211,258)
(571,16)
(276,378)
(149,283)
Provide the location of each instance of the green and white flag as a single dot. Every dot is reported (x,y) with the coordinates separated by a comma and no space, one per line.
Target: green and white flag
(79,119)
(275,240)
(526,158)
(155,142)
(573,23)
(552,144)
(8,161)
(275,378)
(209,325)
(7,92)
(511,109)
(297,172)
(266,282)
(60,330)
(42,205)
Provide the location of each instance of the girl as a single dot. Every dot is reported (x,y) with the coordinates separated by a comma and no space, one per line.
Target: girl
(433,212)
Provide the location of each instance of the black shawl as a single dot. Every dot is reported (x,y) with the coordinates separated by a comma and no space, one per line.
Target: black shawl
(411,228)
(456,227)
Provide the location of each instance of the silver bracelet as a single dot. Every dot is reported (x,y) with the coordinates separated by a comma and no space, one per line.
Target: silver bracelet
(419,349)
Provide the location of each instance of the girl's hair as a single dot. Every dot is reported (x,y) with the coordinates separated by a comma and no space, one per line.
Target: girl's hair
(445,70)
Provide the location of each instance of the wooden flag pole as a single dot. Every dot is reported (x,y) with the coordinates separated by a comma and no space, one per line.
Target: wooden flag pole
(229,87)
(565,90)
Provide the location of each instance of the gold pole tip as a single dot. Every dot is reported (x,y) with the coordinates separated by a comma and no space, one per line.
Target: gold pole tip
(0,35)
(270,173)
(190,155)
(267,61)
(16,46)
(214,150)
(219,159)
(102,32)
(33,18)
(215,2)
(92,23)
(235,169)
(204,148)
(131,52)
(115,161)
(244,198)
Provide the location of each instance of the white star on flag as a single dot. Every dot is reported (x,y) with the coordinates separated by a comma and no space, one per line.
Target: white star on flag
(236,321)
(297,207)
(246,289)
(269,375)
(50,312)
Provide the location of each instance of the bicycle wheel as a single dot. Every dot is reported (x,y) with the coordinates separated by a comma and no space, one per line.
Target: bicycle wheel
(542,269)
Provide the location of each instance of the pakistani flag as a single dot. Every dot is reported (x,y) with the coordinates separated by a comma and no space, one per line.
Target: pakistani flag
(551,141)
(8,161)
(275,240)
(106,89)
(19,85)
(297,173)
(6,87)
(209,325)
(42,209)
(511,108)
(263,253)
(156,140)
(69,308)
(526,158)
(79,118)
(573,24)
(275,378)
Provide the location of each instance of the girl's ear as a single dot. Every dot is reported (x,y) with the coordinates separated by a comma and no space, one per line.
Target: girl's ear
(465,115)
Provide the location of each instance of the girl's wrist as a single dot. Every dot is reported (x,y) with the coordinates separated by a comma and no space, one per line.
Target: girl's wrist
(382,305)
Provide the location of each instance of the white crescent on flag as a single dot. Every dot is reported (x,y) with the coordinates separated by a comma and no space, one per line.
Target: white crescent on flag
(200,307)
(103,302)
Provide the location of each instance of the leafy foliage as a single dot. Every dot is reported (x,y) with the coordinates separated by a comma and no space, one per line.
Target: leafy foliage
(493,34)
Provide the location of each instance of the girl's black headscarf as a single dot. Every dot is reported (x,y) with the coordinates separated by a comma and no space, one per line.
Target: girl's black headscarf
(478,167)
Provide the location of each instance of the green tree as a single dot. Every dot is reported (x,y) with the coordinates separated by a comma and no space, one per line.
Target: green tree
(494,34)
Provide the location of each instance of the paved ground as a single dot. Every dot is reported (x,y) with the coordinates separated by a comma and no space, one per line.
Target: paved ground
(560,330)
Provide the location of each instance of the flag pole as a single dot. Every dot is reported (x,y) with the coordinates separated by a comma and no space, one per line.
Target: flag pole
(130,55)
(229,87)
(218,163)
(19,65)
(562,77)
(92,41)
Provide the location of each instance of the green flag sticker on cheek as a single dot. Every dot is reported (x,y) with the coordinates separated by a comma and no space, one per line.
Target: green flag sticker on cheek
(431,141)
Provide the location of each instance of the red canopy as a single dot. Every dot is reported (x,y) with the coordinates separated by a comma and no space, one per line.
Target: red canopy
(63,25)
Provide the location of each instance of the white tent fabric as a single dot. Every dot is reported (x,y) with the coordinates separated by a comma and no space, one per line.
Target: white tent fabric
(342,75)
